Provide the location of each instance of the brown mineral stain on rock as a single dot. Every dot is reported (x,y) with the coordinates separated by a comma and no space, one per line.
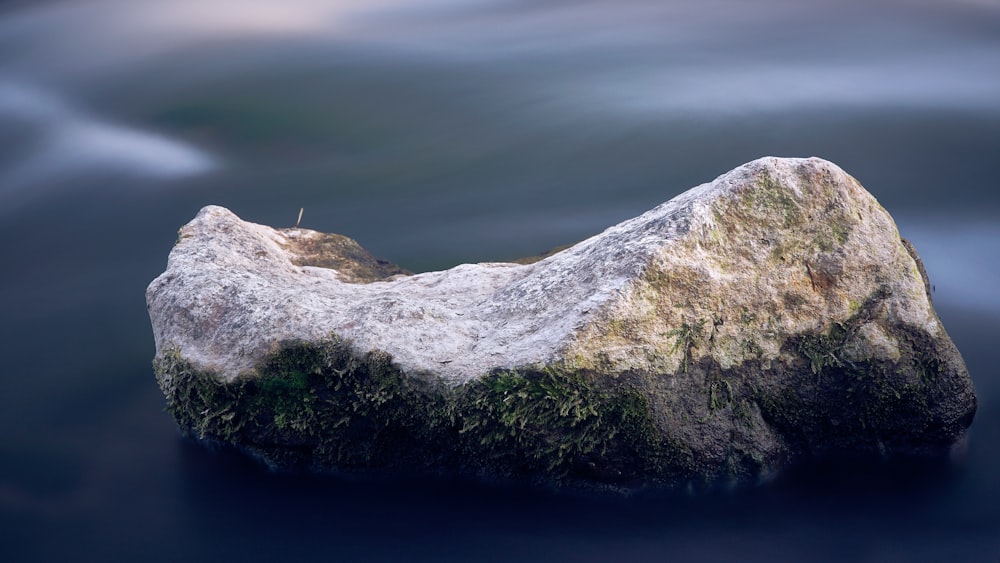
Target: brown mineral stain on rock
(352,262)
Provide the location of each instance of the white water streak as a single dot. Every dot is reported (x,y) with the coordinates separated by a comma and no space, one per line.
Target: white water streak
(70,141)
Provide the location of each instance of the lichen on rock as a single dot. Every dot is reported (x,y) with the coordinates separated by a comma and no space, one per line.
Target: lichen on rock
(771,315)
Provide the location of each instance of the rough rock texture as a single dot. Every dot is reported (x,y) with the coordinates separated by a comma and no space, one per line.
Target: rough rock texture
(770,315)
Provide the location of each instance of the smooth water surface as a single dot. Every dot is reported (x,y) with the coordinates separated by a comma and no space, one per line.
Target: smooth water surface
(437,132)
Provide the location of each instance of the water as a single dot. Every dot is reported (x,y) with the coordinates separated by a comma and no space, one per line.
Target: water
(437,132)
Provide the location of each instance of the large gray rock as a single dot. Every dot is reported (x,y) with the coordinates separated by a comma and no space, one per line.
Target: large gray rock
(771,315)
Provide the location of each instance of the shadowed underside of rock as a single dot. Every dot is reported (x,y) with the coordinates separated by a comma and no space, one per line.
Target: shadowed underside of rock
(771,315)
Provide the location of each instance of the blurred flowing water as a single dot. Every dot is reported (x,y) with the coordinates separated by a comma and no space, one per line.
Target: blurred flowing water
(437,132)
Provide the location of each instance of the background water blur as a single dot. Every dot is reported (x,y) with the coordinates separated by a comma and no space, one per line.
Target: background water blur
(437,132)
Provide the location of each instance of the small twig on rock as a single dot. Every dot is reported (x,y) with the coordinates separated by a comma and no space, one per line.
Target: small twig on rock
(301,209)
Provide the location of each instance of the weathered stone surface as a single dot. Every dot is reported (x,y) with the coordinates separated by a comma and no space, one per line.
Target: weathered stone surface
(770,315)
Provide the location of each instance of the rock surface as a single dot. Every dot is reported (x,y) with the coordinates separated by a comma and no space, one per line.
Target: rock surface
(771,315)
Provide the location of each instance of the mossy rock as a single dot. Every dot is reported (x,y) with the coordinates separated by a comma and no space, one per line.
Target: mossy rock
(770,316)
(321,406)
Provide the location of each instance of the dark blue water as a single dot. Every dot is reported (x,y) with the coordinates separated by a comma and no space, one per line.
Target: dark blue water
(437,132)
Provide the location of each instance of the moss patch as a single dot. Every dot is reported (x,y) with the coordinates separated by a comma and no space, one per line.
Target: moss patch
(310,405)
(320,406)
(836,405)
(770,196)
(559,424)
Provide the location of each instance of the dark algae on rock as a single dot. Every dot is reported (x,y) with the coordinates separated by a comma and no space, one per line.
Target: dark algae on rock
(770,317)
(310,405)
(320,406)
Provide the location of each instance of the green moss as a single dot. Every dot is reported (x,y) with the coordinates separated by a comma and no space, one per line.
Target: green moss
(323,406)
(319,406)
(841,230)
(750,348)
(771,196)
(853,307)
(617,327)
(558,424)
(833,232)
(720,394)
(858,406)
(686,338)
(822,350)
(308,405)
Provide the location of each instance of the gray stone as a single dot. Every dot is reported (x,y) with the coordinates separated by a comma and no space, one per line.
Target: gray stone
(771,315)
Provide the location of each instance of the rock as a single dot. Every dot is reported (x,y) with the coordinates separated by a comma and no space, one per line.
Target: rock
(770,316)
